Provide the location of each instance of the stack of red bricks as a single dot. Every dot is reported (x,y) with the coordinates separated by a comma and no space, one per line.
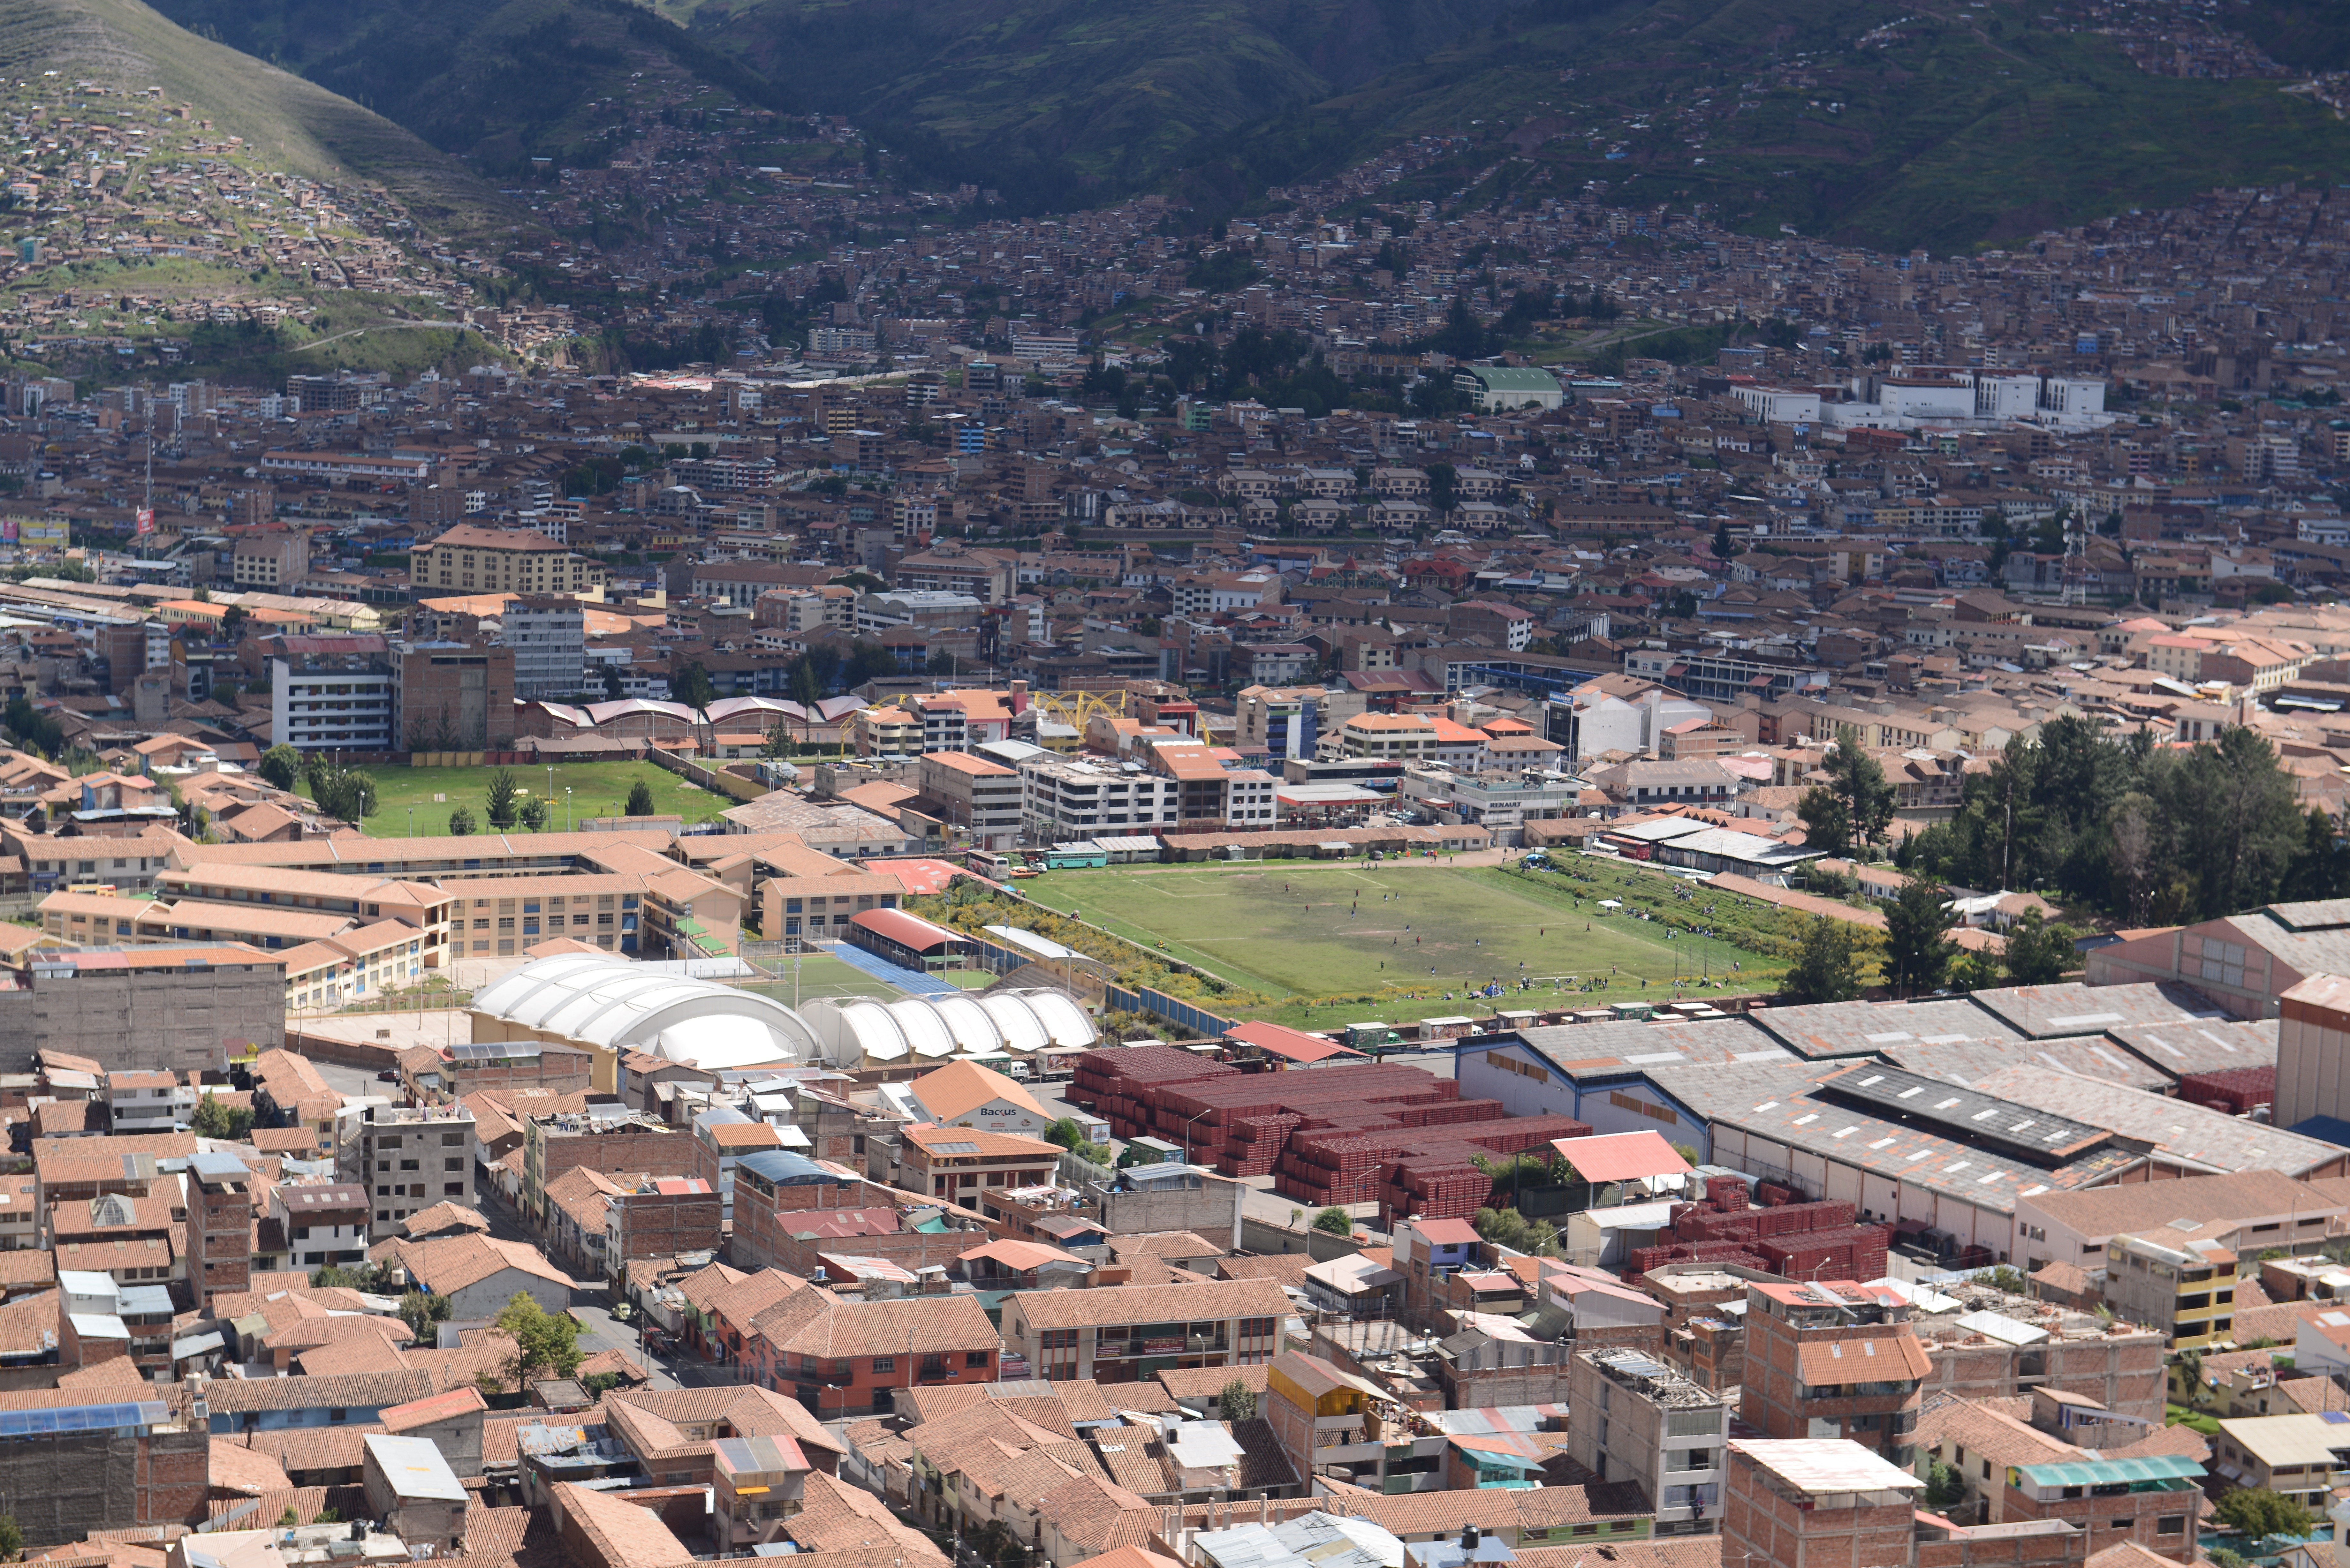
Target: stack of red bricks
(1376,1133)
(2235,1090)
(1799,1240)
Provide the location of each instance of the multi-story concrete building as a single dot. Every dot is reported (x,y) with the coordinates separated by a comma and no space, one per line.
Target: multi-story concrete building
(980,799)
(1386,737)
(324,1223)
(1833,1359)
(467,559)
(1637,1420)
(1330,1425)
(2189,1293)
(548,639)
(409,1158)
(333,700)
(138,1102)
(1125,1335)
(270,558)
(1064,798)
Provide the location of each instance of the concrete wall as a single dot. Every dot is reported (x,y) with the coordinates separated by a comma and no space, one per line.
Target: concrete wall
(150,1020)
(1212,1209)
(1264,1236)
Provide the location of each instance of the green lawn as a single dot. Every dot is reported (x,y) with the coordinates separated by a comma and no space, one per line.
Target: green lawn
(1287,931)
(598,789)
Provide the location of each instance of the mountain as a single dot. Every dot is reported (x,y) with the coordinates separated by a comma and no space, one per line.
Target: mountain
(1943,131)
(1064,99)
(288,123)
(498,82)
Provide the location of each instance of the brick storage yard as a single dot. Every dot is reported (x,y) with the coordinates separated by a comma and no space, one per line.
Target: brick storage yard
(1394,1136)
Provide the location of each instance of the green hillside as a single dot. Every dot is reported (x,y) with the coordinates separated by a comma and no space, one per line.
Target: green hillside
(498,82)
(1952,130)
(1072,97)
(286,122)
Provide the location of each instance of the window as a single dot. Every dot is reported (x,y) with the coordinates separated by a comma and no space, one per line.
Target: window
(883,1363)
(975,1358)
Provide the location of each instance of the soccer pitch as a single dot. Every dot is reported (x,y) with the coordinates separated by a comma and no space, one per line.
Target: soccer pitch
(1300,930)
(419,800)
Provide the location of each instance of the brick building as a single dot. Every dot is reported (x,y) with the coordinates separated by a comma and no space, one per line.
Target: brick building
(1833,1357)
(1129,1334)
(1817,1503)
(623,1143)
(2151,1499)
(220,1226)
(839,1357)
(659,1218)
(453,697)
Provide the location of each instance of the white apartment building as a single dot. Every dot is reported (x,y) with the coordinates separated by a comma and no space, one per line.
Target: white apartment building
(339,702)
(1064,798)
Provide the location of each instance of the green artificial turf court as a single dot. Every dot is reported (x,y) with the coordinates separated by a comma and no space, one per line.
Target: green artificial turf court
(1296,930)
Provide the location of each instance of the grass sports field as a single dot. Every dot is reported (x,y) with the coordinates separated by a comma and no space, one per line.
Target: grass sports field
(598,789)
(1300,930)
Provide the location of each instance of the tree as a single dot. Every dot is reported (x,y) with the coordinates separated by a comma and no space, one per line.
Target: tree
(1825,968)
(1237,1402)
(1333,1220)
(1916,952)
(1851,810)
(778,743)
(1945,1486)
(339,791)
(1508,1228)
(2037,953)
(546,1343)
(11,1537)
(281,764)
(214,1119)
(534,813)
(1976,971)
(1443,487)
(503,798)
(420,1312)
(641,799)
(694,687)
(462,824)
(372,1279)
(234,621)
(2259,1513)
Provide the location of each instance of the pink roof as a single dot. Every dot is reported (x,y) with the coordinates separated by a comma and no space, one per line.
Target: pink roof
(1447,1232)
(1290,1045)
(1621,1156)
(919,875)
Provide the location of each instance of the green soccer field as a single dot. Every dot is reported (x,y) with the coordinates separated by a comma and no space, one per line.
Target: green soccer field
(597,789)
(1301,930)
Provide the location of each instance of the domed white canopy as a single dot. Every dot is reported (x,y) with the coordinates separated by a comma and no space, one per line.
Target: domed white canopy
(621,1005)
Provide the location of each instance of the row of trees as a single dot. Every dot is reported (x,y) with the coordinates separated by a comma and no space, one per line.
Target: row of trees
(2109,820)
(1917,954)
